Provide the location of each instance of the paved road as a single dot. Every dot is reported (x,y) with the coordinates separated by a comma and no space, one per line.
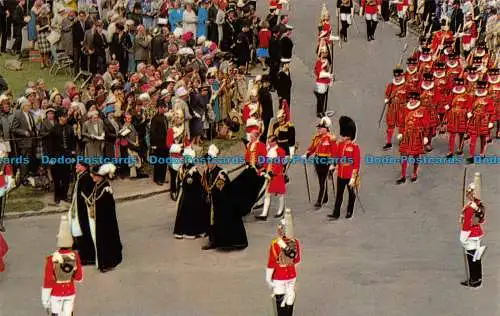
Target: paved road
(401,257)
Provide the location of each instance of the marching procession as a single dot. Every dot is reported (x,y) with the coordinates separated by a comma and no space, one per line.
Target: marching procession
(447,95)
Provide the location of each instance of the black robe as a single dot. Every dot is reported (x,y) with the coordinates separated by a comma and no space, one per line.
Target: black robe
(193,217)
(245,190)
(84,244)
(106,233)
(284,86)
(227,229)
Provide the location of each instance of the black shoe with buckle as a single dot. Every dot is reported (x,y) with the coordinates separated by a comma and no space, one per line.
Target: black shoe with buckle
(449,155)
(348,215)
(465,283)
(261,218)
(413,179)
(387,146)
(333,216)
(401,180)
(470,160)
(317,205)
(256,207)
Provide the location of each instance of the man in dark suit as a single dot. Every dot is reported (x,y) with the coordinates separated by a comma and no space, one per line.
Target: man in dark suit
(266,103)
(24,129)
(274,56)
(158,137)
(79,28)
(18,22)
(457,22)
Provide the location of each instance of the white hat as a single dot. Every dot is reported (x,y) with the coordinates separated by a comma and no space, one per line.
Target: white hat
(180,92)
(64,238)
(212,71)
(3,97)
(29,91)
(107,169)
(189,152)
(201,40)
(285,60)
(92,113)
(325,122)
(163,92)
(144,97)
(23,101)
(186,51)
(178,32)
(213,151)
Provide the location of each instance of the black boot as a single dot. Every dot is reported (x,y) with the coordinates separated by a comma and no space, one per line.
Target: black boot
(401,27)
(374,28)
(387,146)
(280,310)
(401,180)
(369,30)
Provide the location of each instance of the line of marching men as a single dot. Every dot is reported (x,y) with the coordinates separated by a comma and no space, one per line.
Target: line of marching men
(438,94)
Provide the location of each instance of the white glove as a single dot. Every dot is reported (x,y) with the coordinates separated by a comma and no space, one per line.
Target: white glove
(464,235)
(469,115)
(474,206)
(352,182)
(292,151)
(331,168)
(426,140)
(386,100)
(400,136)
(268,177)
(46,298)
(269,278)
(446,107)
(490,125)
(304,156)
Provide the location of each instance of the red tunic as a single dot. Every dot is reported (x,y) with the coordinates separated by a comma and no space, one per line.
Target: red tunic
(282,271)
(275,3)
(255,153)
(424,66)
(453,72)
(494,93)
(171,140)
(247,110)
(467,225)
(4,248)
(318,68)
(461,104)
(443,88)
(277,167)
(396,94)
(413,127)
(351,152)
(439,38)
(412,81)
(470,34)
(61,289)
(371,6)
(326,31)
(401,6)
(470,84)
(429,100)
(483,113)
(323,146)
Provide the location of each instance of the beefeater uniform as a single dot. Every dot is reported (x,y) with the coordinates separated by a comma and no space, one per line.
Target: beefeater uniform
(494,93)
(412,135)
(439,39)
(411,75)
(425,62)
(453,68)
(281,275)
(471,79)
(7,183)
(471,234)
(429,100)
(62,269)
(323,149)
(443,88)
(456,117)
(481,119)
(348,164)
(371,9)
(395,98)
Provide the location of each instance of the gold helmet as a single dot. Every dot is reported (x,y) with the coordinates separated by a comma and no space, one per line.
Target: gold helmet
(325,15)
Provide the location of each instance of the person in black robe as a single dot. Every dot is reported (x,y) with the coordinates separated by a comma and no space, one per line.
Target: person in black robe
(226,231)
(79,216)
(229,33)
(243,47)
(287,43)
(266,103)
(284,83)
(192,218)
(158,138)
(212,28)
(102,219)
(274,56)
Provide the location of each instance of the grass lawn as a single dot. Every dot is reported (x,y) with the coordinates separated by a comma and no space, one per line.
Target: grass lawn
(31,72)
(24,205)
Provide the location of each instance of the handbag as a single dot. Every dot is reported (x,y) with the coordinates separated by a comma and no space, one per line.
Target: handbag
(53,37)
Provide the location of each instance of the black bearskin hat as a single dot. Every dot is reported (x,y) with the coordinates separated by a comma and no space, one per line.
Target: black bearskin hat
(347,127)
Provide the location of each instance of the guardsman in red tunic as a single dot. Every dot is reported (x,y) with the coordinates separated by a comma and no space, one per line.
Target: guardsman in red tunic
(471,234)
(412,135)
(348,163)
(4,248)
(281,275)
(275,169)
(371,9)
(453,68)
(252,108)
(471,78)
(323,149)
(480,50)
(411,76)
(469,34)
(425,62)
(395,99)
(255,149)
(7,183)
(441,36)
(481,119)
(62,269)
(429,100)
(494,92)
(402,10)
(443,88)
(323,80)
(456,117)
(324,28)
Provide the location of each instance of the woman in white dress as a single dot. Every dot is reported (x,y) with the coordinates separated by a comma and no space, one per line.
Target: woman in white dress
(189,20)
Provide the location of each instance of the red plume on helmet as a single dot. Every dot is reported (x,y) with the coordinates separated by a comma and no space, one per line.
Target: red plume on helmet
(286,108)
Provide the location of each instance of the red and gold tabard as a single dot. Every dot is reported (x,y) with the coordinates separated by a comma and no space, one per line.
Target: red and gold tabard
(429,100)
(61,283)
(253,151)
(396,93)
(470,83)
(494,93)
(453,71)
(413,127)
(468,224)
(461,104)
(251,109)
(350,151)
(443,88)
(321,66)
(424,66)
(284,267)
(412,80)
(276,164)
(323,146)
(483,113)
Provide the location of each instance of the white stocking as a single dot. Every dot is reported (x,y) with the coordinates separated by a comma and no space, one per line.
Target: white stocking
(281,207)
(267,203)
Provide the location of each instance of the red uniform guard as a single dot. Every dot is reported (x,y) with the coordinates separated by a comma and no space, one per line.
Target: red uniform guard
(456,117)
(443,88)
(425,62)
(429,100)
(494,93)
(4,248)
(411,76)
(395,98)
(453,68)
(471,79)
(412,137)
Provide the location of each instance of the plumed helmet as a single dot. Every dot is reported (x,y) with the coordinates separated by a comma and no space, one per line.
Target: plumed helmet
(64,238)
(347,127)
(253,125)
(325,15)
(189,152)
(325,122)
(105,170)
(213,151)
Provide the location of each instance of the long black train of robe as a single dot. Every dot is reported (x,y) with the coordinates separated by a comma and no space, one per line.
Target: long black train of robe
(84,244)
(193,214)
(228,229)
(108,243)
(245,188)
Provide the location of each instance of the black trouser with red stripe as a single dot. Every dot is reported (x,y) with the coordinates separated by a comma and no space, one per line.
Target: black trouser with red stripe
(322,171)
(341,184)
